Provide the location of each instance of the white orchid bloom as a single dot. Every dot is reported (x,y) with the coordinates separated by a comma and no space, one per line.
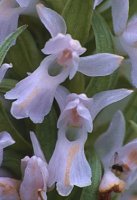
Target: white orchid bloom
(10,11)
(76,119)
(120,162)
(35,174)
(68,50)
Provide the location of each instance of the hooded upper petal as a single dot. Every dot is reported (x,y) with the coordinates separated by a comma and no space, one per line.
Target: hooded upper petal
(52,20)
(67,51)
(35,93)
(120,15)
(35,176)
(76,113)
(74,168)
(101,64)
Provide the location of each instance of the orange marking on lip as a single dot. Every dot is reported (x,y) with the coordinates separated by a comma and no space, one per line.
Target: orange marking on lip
(71,154)
(66,55)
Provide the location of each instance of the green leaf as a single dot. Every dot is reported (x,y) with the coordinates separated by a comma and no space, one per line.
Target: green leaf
(104,43)
(7,84)
(47,134)
(77,15)
(11,161)
(25,56)
(8,42)
(21,144)
(91,192)
(57,5)
(77,84)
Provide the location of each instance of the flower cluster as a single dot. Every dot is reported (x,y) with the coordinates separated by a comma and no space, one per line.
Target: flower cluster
(34,95)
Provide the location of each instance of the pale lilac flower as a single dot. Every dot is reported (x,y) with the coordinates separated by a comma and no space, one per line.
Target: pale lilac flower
(35,174)
(120,162)
(9,14)
(67,50)
(76,119)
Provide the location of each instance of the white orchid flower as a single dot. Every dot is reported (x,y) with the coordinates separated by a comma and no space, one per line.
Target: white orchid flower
(120,162)
(10,11)
(67,50)
(35,174)
(76,119)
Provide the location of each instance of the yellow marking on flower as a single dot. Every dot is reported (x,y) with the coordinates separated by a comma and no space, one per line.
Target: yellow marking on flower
(72,152)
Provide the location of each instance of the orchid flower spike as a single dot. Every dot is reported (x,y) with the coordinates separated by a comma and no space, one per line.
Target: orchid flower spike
(9,14)
(35,93)
(120,162)
(77,115)
(35,174)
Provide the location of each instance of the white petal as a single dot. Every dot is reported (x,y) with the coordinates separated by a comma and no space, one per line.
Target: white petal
(34,178)
(74,169)
(103,99)
(86,117)
(9,15)
(35,93)
(36,146)
(57,44)
(96,3)
(130,33)
(120,15)
(3,70)
(60,96)
(51,20)
(111,140)
(24,3)
(5,141)
(100,64)
(132,53)
(9,189)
